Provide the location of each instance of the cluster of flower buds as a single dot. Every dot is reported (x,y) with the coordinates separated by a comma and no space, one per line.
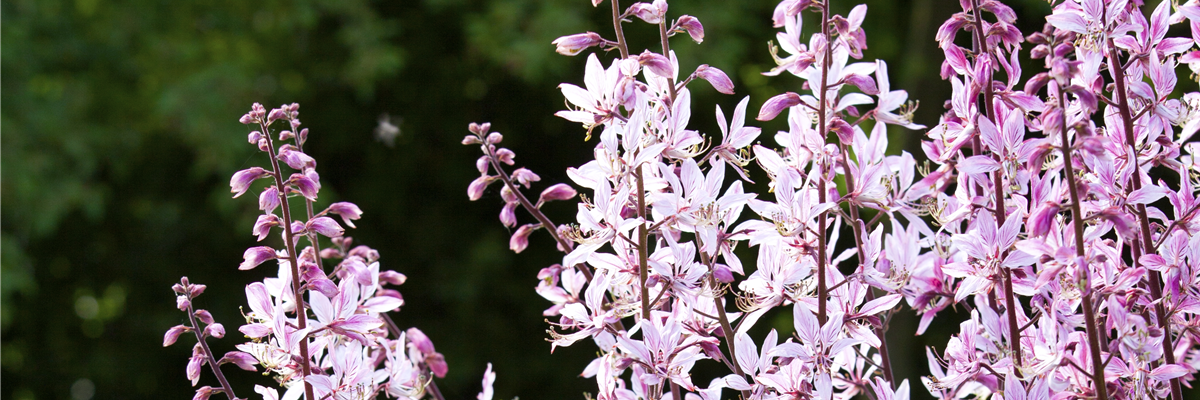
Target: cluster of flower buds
(1060,213)
(186,292)
(320,334)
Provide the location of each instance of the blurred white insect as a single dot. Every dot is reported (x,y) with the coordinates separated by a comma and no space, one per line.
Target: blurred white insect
(387,132)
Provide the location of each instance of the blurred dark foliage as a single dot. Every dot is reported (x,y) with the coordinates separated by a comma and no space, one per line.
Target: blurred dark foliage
(120,134)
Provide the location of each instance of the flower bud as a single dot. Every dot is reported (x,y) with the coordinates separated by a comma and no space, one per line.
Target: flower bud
(242,179)
(365,253)
(525,177)
(204,316)
(325,226)
(574,44)
(470,140)
(254,256)
(294,158)
(505,156)
(418,340)
(196,289)
(173,334)
(863,83)
(392,278)
(182,303)
(520,238)
(480,129)
(262,226)
(306,185)
(508,215)
(276,114)
(194,364)
(215,330)
(204,392)
(692,26)
(651,13)
(776,105)
(178,288)
(556,192)
(657,63)
(437,364)
(242,360)
(348,211)
(285,135)
(494,138)
(325,286)
(716,78)
(477,186)
(255,331)
(302,137)
(723,274)
(268,200)
(843,129)
(254,137)
(1042,218)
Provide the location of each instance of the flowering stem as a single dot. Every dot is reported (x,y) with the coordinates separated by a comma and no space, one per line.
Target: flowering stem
(662,33)
(726,329)
(549,226)
(998,189)
(1089,313)
(1147,243)
(862,260)
(301,314)
(308,205)
(621,45)
(643,247)
(822,219)
(212,361)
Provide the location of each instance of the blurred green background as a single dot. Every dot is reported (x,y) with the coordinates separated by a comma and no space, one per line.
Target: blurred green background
(120,133)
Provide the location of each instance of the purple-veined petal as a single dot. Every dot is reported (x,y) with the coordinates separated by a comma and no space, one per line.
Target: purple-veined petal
(173,334)
(254,256)
(1146,195)
(978,165)
(241,359)
(1167,372)
(692,26)
(775,105)
(242,179)
(717,78)
(325,226)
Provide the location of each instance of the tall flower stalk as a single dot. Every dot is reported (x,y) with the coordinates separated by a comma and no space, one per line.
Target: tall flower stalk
(1072,302)
(338,344)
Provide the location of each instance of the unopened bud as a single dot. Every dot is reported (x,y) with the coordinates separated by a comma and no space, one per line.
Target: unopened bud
(574,44)
(173,334)
(776,105)
(717,78)
(657,63)
(254,256)
(520,238)
(692,26)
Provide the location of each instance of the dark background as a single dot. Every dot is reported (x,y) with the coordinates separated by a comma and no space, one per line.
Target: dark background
(120,133)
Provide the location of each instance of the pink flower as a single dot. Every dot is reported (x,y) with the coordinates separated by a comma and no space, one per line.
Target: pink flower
(575,44)
(716,77)
(692,26)
(255,256)
(242,179)
(775,105)
(348,211)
